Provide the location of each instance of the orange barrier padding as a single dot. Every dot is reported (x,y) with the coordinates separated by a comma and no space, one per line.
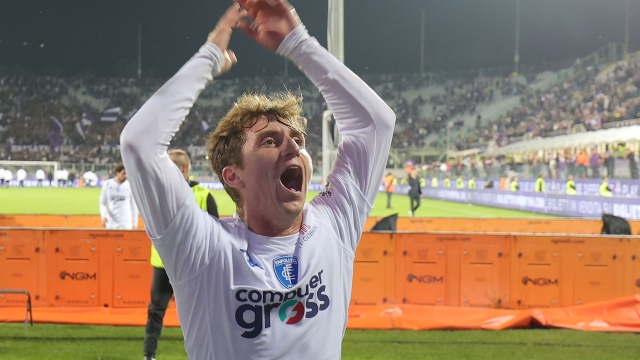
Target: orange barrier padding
(543,226)
(132,272)
(452,269)
(552,271)
(72,267)
(20,265)
(617,315)
(56,221)
(88,316)
(373,274)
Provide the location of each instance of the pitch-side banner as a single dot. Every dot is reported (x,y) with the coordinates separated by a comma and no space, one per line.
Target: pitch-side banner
(555,204)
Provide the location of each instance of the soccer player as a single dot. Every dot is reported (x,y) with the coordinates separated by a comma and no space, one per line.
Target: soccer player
(161,289)
(8,176)
(118,208)
(275,281)
(21,175)
(40,176)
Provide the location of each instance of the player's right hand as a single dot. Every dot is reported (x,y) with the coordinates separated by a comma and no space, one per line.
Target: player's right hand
(221,35)
(104,222)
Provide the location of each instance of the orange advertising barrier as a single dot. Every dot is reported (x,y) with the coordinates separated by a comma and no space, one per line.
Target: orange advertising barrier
(100,268)
(544,226)
(617,315)
(56,221)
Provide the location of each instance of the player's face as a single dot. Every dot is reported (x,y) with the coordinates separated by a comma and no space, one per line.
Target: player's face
(122,176)
(276,170)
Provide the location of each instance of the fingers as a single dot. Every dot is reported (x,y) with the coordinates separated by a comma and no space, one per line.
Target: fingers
(222,32)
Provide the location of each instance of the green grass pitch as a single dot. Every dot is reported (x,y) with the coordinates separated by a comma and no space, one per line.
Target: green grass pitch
(48,341)
(85,201)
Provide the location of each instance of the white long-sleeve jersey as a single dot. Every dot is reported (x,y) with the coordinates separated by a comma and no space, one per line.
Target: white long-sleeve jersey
(118,205)
(241,295)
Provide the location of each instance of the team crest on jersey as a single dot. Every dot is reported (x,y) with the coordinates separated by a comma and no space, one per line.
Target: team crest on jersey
(286,269)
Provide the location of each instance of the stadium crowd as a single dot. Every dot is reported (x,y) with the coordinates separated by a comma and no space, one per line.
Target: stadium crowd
(78,120)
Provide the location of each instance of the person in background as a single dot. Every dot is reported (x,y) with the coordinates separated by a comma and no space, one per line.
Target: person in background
(390,182)
(161,289)
(604,189)
(64,177)
(71,179)
(8,176)
(21,176)
(594,163)
(488,184)
(460,182)
(447,182)
(540,184)
(471,184)
(570,186)
(1,177)
(40,176)
(434,182)
(118,209)
(415,191)
(609,163)
(50,178)
(582,162)
(633,164)
(514,184)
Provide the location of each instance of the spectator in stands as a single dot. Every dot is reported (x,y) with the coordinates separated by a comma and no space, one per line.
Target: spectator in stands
(594,163)
(609,163)
(633,164)
(583,163)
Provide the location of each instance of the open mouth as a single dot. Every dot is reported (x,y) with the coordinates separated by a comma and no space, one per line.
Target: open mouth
(291,178)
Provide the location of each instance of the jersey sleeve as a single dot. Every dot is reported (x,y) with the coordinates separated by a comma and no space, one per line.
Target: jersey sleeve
(365,122)
(157,184)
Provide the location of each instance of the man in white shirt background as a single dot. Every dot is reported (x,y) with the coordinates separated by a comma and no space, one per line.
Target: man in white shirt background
(21,175)
(40,176)
(118,209)
(274,282)
(8,176)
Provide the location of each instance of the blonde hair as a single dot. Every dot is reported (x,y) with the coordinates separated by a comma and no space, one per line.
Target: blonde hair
(224,145)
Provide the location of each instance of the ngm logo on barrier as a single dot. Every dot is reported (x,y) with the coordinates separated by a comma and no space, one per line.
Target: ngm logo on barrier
(81,276)
(254,313)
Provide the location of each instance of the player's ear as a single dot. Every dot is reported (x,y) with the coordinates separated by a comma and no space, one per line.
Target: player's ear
(231,177)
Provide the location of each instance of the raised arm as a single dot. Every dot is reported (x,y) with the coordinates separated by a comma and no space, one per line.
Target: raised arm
(364,120)
(158,186)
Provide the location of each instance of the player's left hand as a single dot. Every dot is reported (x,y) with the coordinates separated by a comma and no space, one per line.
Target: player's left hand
(273,20)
